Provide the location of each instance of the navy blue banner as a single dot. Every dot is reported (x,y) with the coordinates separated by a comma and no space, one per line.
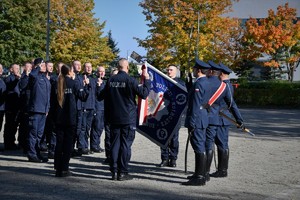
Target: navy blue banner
(163,108)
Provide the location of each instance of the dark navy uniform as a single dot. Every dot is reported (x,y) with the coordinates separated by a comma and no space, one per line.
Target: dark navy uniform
(120,93)
(171,151)
(39,104)
(12,109)
(66,123)
(24,115)
(197,122)
(49,136)
(89,110)
(221,139)
(97,123)
(2,101)
(213,115)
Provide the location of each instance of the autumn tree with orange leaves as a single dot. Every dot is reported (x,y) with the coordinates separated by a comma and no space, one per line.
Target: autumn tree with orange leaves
(278,36)
(182,30)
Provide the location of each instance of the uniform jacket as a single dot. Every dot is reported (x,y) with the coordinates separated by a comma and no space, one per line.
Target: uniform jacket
(199,95)
(66,115)
(24,92)
(100,102)
(79,103)
(231,108)
(40,88)
(120,93)
(12,93)
(2,95)
(225,98)
(89,104)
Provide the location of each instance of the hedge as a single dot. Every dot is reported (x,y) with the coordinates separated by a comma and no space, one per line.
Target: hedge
(268,94)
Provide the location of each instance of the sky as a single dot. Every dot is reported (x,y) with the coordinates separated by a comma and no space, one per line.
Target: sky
(125,19)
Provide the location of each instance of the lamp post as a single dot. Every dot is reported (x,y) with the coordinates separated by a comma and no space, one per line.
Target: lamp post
(48,31)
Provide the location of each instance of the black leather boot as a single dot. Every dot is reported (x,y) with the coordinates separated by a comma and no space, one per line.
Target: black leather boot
(208,163)
(223,157)
(200,171)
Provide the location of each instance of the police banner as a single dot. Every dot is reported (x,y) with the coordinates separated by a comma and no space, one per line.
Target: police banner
(160,114)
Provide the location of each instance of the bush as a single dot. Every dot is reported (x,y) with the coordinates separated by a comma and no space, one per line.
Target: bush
(268,94)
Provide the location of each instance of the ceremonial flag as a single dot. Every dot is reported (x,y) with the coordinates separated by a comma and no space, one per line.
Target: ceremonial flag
(160,114)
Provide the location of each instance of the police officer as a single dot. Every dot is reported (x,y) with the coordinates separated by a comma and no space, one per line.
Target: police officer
(68,91)
(213,115)
(197,121)
(98,119)
(24,102)
(12,107)
(221,139)
(39,104)
(120,94)
(88,112)
(169,154)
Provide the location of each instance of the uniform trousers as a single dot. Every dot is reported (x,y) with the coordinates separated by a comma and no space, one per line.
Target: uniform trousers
(97,129)
(198,140)
(36,128)
(64,147)
(122,137)
(222,137)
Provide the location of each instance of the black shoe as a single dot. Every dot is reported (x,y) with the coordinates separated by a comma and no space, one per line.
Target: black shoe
(164,163)
(43,159)
(83,151)
(98,150)
(172,163)
(196,181)
(51,155)
(11,147)
(34,159)
(219,174)
(113,176)
(124,177)
(43,148)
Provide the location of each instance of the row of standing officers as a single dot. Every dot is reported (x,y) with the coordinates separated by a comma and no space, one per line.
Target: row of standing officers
(54,100)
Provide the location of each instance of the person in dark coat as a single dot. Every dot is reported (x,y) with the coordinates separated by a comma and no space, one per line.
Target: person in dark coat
(197,121)
(120,93)
(2,100)
(169,154)
(24,101)
(12,107)
(39,104)
(68,91)
(221,138)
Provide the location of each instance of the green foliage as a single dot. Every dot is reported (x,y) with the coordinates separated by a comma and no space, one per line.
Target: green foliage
(22,30)
(113,46)
(271,94)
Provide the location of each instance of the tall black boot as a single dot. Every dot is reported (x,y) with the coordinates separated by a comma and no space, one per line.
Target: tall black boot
(208,163)
(200,170)
(223,157)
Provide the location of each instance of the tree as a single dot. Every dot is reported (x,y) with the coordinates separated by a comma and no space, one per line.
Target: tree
(278,36)
(76,34)
(115,50)
(174,36)
(22,30)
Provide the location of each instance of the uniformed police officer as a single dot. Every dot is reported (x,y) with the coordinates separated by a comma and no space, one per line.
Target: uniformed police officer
(221,139)
(98,119)
(24,102)
(120,94)
(68,91)
(12,107)
(39,104)
(213,115)
(197,121)
(169,153)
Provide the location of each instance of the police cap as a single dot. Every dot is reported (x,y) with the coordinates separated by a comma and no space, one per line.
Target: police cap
(38,61)
(225,69)
(214,66)
(201,65)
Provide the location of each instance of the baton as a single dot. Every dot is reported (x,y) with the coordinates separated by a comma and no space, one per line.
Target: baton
(186,152)
(235,123)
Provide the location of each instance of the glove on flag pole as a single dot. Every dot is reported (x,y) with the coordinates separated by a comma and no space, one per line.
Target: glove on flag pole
(160,114)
